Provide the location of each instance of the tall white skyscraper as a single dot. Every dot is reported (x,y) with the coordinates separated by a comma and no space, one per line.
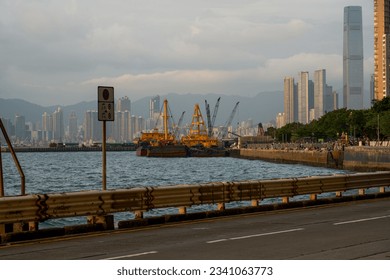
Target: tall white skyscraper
(303,98)
(73,128)
(320,90)
(353,58)
(289,98)
(58,125)
(92,127)
(154,107)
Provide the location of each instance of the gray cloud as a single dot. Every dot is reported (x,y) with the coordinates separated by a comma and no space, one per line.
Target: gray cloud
(60,51)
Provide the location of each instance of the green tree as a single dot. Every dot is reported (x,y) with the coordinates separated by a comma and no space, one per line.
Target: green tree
(359,123)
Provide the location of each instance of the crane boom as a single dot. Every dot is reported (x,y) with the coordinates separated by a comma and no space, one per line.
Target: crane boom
(229,122)
(215,112)
(209,126)
(177,128)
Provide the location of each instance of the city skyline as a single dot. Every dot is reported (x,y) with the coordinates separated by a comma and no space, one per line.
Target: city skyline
(58,53)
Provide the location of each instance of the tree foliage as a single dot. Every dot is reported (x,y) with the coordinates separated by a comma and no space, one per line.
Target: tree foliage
(358,124)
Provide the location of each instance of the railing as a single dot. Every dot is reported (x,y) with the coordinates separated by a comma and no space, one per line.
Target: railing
(36,208)
(20,170)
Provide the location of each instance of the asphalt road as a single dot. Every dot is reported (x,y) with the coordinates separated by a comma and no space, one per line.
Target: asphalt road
(353,230)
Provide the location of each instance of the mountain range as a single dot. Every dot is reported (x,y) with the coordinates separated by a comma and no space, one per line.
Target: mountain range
(260,108)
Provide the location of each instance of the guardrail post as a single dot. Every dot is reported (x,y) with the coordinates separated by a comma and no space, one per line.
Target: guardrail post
(285,199)
(19,227)
(138,214)
(339,194)
(106,220)
(221,206)
(183,210)
(313,197)
(382,189)
(33,226)
(362,191)
(2,229)
(254,202)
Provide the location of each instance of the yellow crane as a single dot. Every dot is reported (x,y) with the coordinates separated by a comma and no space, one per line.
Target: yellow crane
(198,135)
(156,138)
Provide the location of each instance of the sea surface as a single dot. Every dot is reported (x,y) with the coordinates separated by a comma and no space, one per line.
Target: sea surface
(81,171)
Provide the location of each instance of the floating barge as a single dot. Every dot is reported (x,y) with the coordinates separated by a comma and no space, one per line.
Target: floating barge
(196,144)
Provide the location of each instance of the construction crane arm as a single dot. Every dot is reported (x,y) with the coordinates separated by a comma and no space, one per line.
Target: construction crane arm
(209,126)
(177,127)
(215,112)
(229,122)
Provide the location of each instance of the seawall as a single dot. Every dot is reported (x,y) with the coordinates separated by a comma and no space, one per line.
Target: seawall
(366,158)
(363,158)
(317,158)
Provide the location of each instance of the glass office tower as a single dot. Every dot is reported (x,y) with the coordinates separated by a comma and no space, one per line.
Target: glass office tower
(353,58)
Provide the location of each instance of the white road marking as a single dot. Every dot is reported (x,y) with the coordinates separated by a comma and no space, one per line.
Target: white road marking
(361,220)
(131,256)
(254,235)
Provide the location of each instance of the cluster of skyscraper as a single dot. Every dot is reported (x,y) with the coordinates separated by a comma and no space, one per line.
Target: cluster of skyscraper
(121,130)
(308,100)
(52,128)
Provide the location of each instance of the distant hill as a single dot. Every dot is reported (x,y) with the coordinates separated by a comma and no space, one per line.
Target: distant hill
(260,108)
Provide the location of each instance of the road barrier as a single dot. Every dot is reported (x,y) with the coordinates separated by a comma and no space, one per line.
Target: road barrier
(18,211)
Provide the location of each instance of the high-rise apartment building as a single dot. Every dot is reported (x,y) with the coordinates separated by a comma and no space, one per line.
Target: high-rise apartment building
(20,127)
(303,98)
(154,107)
(353,58)
(123,104)
(58,125)
(320,91)
(381,49)
(73,128)
(125,126)
(289,100)
(92,127)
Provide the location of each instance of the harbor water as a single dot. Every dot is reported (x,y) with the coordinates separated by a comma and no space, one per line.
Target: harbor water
(82,171)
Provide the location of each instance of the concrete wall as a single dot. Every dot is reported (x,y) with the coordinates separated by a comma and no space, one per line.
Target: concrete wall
(317,158)
(367,158)
(356,158)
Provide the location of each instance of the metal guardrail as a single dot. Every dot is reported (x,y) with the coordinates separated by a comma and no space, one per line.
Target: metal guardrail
(40,207)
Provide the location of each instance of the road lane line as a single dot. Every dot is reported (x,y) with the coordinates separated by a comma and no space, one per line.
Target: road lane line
(132,256)
(361,220)
(254,235)
(216,241)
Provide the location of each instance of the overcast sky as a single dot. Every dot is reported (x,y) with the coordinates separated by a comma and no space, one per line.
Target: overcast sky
(58,52)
